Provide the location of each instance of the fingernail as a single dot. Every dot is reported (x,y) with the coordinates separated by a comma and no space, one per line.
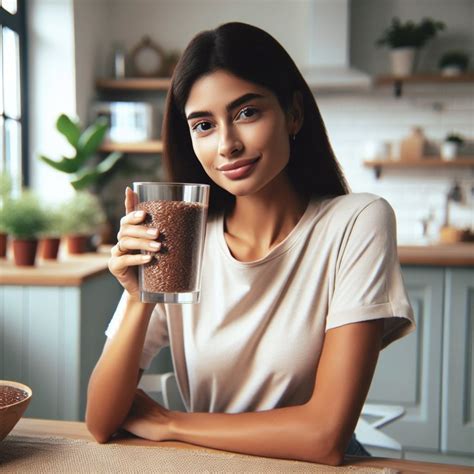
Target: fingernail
(139,214)
(146,257)
(152,231)
(155,245)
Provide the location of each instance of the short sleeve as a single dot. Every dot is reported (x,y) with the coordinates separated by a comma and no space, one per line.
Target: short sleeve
(156,336)
(368,281)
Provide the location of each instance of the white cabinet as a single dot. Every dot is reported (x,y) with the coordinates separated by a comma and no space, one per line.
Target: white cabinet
(51,338)
(430,372)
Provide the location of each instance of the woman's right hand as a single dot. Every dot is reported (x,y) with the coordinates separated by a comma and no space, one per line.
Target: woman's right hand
(132,237)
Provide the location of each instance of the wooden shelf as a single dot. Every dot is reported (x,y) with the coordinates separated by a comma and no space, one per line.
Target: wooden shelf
(152,146)
(422,78)
(432,162)
(138,83)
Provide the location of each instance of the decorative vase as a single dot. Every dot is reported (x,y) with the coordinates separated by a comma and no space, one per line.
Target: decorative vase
(449,151)
(402,61)
(3,245)
(49,248)
(76,244)
(24,251)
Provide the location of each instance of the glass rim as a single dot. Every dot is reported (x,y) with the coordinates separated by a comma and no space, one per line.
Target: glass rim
(176,184)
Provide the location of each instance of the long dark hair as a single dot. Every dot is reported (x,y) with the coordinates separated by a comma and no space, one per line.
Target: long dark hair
(255,56)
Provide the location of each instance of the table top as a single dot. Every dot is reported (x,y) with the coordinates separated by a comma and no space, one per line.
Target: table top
(77,430)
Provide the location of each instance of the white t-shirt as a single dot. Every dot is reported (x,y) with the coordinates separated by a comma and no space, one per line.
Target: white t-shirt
(254,340)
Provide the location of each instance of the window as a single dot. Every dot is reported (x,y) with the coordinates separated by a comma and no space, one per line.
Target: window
(13,126)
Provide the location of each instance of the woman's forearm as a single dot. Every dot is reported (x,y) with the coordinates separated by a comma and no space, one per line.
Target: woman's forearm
(114,379)
(290,433)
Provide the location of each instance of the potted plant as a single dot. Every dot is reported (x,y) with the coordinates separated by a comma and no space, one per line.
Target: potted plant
(450,146)
(405,39)
(82,216)
(5,191)
(84,173)
(51,236)
(453,63)
(24,220)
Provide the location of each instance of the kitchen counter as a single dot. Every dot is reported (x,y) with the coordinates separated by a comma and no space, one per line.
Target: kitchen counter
(460,254)
(69,270)
(75,269)
(71,440)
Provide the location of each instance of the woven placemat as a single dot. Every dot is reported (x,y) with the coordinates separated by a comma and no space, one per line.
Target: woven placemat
(61,455)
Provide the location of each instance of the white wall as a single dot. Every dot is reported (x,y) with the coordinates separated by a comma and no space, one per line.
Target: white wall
(370,17)
(91,44)
(353,120)
(52,89)
(172,23)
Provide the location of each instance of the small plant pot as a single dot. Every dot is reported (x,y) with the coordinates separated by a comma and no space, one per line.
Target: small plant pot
(3,245)
(76,244)
(49,248)
(449,151)
(402,61)
(24,252)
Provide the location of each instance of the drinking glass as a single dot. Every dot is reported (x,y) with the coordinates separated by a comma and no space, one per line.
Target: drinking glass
(179,212)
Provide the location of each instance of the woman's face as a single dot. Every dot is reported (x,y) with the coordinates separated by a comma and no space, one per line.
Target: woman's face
(239,132)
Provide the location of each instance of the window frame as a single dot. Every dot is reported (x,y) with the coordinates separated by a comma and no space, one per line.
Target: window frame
(17,23)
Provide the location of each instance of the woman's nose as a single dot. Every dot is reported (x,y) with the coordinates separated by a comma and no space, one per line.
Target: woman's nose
(230,145)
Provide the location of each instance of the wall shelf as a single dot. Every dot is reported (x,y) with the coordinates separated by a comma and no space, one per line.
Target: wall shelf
(422,78)
(137,84)
(152,146)
(432,162)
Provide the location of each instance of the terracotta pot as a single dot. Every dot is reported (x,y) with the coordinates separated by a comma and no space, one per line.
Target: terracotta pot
(3,245)
(76,244)
(24,251)
(49,248)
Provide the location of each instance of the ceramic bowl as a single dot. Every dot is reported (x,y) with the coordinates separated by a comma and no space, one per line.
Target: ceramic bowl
(13,403)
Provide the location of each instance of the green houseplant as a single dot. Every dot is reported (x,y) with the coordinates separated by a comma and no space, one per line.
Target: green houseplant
(25,220)
(82,216)
(405,39)
(85,143)
(453,62)
(6,186)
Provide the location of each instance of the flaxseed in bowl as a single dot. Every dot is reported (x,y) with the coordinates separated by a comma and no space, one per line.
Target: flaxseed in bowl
(14,400)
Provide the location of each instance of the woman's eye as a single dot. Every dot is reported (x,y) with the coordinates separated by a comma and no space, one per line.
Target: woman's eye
(202,127)
(248,112)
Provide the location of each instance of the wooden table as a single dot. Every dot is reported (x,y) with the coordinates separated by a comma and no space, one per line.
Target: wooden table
(78,430)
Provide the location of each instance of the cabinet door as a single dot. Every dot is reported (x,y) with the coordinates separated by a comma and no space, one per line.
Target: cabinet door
(458,388)
(409,370)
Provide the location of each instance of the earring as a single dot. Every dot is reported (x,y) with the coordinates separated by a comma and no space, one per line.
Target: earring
(293,137)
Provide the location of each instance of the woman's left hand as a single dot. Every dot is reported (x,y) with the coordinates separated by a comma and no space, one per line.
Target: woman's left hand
(148,419)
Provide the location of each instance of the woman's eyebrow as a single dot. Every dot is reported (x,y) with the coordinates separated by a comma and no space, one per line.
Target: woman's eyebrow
(235,103)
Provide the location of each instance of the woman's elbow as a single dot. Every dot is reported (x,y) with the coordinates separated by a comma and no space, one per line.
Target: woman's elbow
(325,448)
(100,434)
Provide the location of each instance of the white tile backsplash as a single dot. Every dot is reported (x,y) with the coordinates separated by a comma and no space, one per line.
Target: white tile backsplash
(352,120)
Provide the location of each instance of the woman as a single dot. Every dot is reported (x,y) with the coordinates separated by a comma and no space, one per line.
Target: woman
(301,285)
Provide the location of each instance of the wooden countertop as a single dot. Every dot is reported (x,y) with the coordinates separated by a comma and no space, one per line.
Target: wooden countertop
(460,254)
(78,430)
(73,270)
(69,270)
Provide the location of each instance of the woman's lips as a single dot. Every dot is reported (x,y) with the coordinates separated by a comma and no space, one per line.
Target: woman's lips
(240,172)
